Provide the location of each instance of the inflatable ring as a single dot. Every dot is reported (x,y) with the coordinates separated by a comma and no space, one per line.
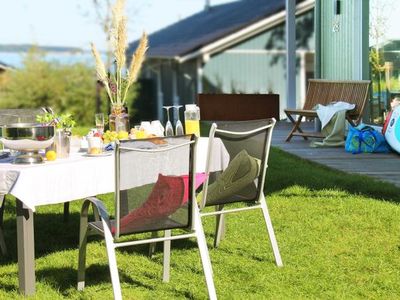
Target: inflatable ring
(392,134)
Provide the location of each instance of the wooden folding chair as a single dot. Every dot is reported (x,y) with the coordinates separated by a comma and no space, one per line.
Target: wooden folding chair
(321,91)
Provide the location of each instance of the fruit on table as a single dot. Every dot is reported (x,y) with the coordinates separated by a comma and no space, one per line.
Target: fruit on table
(51,155)
(110,136)
(94,151)
(122,135)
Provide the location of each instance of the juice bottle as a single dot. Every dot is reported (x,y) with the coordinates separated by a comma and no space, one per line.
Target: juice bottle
(192,119)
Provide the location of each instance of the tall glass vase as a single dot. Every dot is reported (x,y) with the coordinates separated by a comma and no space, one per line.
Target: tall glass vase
(118,118)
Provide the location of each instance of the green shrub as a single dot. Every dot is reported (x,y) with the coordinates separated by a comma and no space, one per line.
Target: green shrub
(65,88)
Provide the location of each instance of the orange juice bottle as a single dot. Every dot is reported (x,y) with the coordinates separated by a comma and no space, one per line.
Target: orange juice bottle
(192,119)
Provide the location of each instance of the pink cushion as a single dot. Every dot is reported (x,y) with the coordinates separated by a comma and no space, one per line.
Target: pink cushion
(200,178)
(168,195)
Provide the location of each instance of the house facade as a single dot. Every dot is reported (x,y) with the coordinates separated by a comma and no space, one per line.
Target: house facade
(237,47)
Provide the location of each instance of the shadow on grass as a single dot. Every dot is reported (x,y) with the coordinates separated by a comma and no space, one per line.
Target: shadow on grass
(285,170)
(52,234)
(63,279)
(9,288)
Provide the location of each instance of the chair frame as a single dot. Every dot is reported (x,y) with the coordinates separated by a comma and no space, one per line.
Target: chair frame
(262,204)
(322,91)
(196,230)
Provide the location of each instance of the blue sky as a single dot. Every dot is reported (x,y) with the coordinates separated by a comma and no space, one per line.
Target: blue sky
(73,22)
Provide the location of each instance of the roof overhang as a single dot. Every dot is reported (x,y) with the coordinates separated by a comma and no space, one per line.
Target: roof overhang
(245,33)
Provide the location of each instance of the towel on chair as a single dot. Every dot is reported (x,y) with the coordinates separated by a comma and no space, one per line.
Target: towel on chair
(325,113)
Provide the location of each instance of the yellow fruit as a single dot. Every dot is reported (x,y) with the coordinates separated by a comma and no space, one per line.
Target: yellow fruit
(94,151)
(51,155)
(123,135)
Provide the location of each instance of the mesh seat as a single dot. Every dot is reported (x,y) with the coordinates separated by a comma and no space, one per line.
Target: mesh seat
(248,144)
(154,192)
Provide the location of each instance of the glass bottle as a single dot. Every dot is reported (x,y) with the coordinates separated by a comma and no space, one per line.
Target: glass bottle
(118,118)
(192,119)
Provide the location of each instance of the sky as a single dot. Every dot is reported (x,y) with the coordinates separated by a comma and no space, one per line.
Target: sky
(73,22)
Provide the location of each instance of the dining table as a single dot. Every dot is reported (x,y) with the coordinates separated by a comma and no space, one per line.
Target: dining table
(64,180)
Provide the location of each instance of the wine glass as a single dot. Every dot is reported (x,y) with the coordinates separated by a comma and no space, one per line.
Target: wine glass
(99,120)
(178,125)
(169,130)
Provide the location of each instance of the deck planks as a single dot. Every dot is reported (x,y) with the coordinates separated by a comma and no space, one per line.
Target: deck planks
(385,167)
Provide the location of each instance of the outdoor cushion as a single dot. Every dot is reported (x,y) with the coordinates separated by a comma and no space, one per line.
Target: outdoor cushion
(165,198)
(241,172)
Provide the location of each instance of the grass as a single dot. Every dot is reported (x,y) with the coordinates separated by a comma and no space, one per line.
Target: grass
(338,235)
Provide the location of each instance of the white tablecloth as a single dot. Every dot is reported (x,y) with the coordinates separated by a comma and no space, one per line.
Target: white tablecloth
(80,176)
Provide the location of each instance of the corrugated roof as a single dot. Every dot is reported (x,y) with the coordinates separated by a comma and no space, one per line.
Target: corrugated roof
(208,26)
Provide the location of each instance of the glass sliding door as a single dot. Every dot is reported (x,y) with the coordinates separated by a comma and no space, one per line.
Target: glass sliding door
(384,56)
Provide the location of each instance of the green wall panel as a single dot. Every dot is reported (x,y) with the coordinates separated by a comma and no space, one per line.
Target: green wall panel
(344,38)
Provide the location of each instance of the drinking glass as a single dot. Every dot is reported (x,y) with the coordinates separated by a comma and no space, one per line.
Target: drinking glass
(178,125)
(169,130)
(99,120)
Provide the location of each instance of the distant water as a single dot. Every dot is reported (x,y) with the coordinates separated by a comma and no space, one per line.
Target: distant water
(15,59)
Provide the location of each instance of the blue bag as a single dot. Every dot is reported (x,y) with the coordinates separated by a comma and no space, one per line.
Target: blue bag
(365,139)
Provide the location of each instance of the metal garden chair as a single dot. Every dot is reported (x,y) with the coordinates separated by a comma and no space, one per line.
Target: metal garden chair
(248,143)
(154,191)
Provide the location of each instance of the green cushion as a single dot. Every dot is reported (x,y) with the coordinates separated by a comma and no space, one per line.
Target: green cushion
(241,172)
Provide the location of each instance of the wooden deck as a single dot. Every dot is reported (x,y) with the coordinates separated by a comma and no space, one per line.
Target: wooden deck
(384,167)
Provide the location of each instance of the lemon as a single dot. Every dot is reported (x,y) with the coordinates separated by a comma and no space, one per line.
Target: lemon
(123,135)
(51,155)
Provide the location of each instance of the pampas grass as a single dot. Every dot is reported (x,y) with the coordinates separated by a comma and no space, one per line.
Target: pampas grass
(118,84)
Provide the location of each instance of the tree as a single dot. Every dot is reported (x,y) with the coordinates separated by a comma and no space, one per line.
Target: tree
(65,88)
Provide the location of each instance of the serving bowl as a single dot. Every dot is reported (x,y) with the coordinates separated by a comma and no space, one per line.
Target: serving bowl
(28,139)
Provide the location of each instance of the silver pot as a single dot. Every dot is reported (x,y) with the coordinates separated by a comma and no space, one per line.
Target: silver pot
(28,139)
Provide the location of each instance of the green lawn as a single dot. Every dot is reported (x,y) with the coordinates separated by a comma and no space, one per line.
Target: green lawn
(339,237)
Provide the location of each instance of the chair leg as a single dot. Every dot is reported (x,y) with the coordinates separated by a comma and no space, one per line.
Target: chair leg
(219,227)
(152,246)
(296,127)
(83,232)
(112,261)
(3,245)
(166,256)
(271,233)
(204,255)
(66,212)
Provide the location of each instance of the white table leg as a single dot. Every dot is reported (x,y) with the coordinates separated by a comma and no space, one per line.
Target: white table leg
(26,250)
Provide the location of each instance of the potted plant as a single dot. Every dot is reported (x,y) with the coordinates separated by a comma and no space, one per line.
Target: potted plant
(63,124)
(119,78)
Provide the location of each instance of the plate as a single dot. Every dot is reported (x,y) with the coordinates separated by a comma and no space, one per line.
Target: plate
(98,155)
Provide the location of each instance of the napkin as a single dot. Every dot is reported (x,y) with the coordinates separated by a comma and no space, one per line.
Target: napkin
(7,180)
(5,157)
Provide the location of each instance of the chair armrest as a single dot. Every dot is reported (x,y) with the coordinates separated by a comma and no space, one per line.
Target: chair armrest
(99,206)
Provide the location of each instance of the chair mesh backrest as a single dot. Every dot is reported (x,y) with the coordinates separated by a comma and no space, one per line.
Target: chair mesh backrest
(247,143)
(154,184)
